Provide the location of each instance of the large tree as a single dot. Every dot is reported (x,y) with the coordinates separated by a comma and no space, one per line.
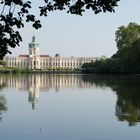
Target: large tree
(14,13)
(128,44)
(126,36)
(126,60)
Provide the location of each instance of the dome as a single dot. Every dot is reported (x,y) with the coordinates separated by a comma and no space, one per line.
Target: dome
(57,55)
(33,44)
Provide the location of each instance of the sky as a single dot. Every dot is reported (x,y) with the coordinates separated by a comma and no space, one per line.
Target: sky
(80,36)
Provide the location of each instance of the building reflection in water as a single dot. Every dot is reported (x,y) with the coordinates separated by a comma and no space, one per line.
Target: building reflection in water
(126,88)
(35,83)
(33,88)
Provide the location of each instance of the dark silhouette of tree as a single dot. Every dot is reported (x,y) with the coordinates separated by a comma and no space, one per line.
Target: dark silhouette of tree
(14,13)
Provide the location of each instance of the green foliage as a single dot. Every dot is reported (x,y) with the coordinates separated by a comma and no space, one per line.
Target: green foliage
(2,63)
(14,70)
(126,36)
(14,13)
(127,58)
(108,66)
(128,46)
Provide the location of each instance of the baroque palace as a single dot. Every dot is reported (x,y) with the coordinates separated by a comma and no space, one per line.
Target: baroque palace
(44,62)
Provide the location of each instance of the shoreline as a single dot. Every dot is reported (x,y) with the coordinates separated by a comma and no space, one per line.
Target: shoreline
(23,71)
(14,71)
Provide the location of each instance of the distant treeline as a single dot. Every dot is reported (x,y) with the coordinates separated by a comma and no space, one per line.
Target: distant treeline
(126,60)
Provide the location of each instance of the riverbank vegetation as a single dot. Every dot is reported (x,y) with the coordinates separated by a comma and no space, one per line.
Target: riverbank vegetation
(13,70)
(4,69)
(126,60)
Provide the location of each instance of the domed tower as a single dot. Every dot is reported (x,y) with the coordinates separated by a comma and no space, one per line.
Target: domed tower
(33,48)
(34,57)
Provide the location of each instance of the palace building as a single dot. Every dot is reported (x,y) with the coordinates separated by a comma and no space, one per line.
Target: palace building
(44,62)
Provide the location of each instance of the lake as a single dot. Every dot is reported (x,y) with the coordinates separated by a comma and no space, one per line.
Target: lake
(69,107)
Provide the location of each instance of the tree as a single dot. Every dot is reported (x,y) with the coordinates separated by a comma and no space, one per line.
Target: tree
(128,44)
(126,60)
(126,36)
(14,13)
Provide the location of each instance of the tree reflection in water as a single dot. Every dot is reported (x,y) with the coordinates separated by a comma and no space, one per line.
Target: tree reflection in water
(128,103)
(127,89)
(3,106)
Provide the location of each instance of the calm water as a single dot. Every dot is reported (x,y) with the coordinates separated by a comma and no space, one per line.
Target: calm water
(69,107)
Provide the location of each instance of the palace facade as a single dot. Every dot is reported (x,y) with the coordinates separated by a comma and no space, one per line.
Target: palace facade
(44,62)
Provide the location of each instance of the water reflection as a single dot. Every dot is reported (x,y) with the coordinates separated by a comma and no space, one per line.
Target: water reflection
(3,105)
(41,82)
(128,103)
(126,88)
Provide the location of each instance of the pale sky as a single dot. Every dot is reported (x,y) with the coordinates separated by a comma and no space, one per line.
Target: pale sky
(87,35)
